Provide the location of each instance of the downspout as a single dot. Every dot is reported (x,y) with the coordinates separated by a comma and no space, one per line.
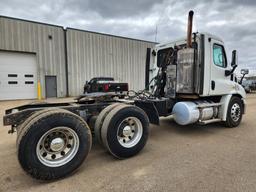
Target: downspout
(66,61)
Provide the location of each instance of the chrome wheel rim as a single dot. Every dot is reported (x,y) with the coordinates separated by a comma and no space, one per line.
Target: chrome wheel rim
(57,146)
(235,112)
(129,132)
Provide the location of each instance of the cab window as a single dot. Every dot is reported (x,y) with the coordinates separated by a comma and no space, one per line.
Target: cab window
(219,57)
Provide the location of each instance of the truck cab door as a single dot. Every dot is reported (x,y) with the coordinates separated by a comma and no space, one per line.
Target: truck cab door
(219,83)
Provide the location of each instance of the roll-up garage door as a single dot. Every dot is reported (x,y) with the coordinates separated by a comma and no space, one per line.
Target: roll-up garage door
(18,75)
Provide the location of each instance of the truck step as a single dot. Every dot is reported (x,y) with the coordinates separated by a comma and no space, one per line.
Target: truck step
(209,121)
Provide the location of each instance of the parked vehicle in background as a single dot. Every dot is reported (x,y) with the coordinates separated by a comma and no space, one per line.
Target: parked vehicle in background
(104,84)
(249,85)
(246,86)
(253,85)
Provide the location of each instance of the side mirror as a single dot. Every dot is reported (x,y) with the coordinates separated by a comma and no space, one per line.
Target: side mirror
(234,58)
(244,71)
(86,82)
(233,64)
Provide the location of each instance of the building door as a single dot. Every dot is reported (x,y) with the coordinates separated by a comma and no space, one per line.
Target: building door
(51,86)
(18,75)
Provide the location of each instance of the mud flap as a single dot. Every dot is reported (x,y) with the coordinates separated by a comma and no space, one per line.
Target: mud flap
(150,109)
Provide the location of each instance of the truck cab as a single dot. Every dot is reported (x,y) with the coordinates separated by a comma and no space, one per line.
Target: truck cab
(194,79)
(207,76)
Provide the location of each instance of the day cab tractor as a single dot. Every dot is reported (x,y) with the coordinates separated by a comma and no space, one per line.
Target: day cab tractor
(192,81)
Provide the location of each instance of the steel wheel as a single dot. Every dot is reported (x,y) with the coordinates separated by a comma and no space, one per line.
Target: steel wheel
(235,112)
(125,131)
(53,144)
(57,146)
(129,132)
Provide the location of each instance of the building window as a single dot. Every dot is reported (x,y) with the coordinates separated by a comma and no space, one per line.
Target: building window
(29,82)
(12,75)
(29,75)
(12,82)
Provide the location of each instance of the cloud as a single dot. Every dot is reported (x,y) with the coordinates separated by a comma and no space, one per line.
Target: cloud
(233,20)
(216,23)
(121,9)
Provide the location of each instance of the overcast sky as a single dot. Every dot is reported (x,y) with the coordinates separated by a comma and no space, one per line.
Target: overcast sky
(233,20)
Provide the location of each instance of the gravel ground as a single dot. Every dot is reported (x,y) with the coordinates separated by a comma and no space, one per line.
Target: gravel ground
(176,158)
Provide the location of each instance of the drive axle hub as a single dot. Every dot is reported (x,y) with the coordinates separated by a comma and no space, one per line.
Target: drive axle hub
(130,132)
(57,144)
(127,131)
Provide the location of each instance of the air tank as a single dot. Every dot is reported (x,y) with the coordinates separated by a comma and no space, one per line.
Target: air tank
(187,112)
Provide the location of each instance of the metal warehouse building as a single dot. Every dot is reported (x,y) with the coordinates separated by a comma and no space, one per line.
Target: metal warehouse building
(60,60)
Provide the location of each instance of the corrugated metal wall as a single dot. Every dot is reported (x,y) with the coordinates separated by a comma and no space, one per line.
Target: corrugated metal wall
(93,54)
(89,54)
(19,35)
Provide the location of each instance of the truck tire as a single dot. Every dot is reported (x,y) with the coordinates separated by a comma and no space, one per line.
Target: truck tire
(100,119)
(53,144)
(125,131)
(21,126)
(234,113)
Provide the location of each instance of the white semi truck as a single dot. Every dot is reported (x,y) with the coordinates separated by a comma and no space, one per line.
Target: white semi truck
(191,79)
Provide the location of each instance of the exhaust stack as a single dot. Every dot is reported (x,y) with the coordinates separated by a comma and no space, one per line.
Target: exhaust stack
(189,30)
(185,63)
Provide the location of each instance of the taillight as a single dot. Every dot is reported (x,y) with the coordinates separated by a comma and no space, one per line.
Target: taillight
(106,87)
(126,87)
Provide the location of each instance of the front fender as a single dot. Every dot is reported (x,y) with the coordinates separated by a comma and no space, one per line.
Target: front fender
(225,99)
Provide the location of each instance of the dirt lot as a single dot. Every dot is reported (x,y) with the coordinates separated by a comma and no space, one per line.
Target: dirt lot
(176,158)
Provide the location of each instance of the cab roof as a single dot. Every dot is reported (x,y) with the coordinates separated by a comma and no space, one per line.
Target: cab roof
(184,40)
